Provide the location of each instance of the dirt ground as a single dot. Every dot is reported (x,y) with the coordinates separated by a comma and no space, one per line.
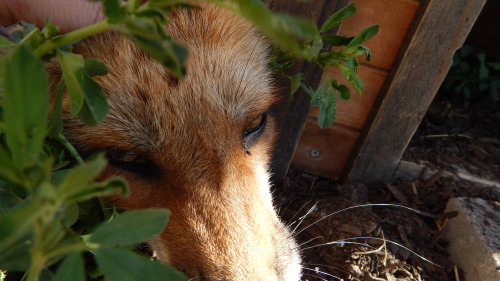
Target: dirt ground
(387,242)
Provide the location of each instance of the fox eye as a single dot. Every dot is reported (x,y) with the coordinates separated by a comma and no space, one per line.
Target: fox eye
(256,125)
(255,128)
(132,162)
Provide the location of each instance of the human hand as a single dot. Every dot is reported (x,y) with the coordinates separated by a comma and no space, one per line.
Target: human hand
(67,14)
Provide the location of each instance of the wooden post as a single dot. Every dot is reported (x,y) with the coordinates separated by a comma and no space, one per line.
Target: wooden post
(292,113)
(439,30)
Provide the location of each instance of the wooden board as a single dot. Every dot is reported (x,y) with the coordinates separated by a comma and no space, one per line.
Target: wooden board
(412,171)
(324,152)
(411,86)
(393,17)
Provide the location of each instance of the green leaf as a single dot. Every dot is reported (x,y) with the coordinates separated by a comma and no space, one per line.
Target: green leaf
(347,72)
(49,30)
(343,91)
(70,214)
(58,176)
(72,72)
(53,234)
(327,109)
(285,30)
(71,268)
(95,106)
(113,11)
(46,275)
(16,223)
(483,86)
(466,92)
(94,67)
(130,227)
(166,5)
(108,187)
(338,17)
(317,45)
(465,68)
(25,106)
(56,125)
(17,256)
(81,176)
(152,39)
(5,43)
(88,101)
(308,90)
(8,170)
(367,51)
(295,82)
(120,264)
(465,51)
(350,75)
(7,201)
(336,40)
(352,64)
(484,72)
(358,84)
(151,12)
(331,58)
(494,65)
(365,35)
(318,97)
(133,5)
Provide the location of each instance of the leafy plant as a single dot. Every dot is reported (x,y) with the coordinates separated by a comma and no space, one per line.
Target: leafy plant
(54,222)
(471,73)
(344,56)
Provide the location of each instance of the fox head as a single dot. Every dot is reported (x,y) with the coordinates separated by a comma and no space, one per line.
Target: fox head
(199,146)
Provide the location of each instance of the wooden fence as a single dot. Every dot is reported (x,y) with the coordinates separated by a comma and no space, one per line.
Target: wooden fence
(411,56)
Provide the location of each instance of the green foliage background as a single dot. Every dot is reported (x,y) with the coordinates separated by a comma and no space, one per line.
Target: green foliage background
(471,73)
(54,222)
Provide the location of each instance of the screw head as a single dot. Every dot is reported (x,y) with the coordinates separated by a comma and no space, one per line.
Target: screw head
(314,153)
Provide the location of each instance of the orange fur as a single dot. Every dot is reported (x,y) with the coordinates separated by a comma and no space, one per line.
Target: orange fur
(223,225)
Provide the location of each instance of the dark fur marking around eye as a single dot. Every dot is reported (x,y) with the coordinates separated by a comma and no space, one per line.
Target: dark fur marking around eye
(251,135)
(132,162)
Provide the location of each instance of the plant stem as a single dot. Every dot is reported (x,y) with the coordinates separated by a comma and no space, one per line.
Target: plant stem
(37,262)
(72,36)
(70,148)
(28,36)
(66,250)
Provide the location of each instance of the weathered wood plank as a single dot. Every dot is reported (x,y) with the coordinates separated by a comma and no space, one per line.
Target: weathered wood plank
(441,28)
(293,113)
(324,152)
(412,171)
(393,17)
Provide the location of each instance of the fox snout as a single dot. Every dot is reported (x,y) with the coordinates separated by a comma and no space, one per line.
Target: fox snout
(228,234)
(199,146)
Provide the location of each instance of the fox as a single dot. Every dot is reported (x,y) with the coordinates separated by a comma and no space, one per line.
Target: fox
(199,146)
